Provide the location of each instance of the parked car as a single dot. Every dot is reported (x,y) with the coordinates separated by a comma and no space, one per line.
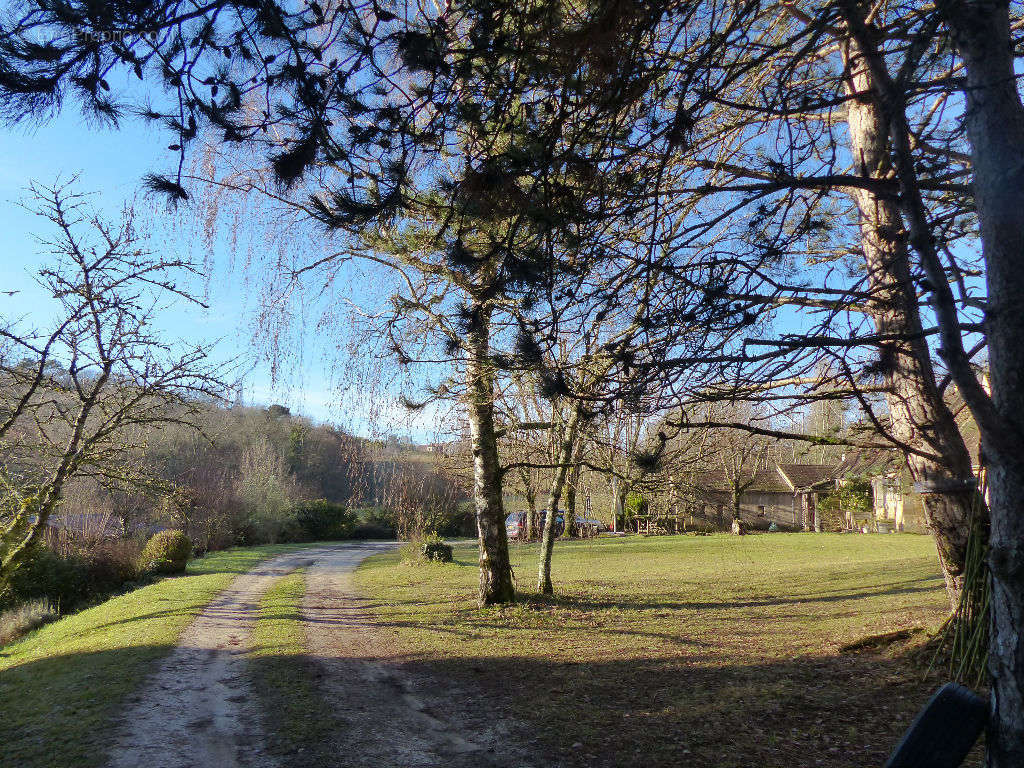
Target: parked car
(515,524)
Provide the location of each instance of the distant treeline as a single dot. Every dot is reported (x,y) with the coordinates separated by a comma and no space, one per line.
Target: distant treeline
(250,476)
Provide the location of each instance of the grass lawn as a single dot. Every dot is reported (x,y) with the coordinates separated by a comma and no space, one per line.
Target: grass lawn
(700,651)
(61,685)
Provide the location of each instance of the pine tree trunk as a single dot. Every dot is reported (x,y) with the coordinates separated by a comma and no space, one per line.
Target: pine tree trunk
(995,127)
(495,570)
(920,418)
(547,545)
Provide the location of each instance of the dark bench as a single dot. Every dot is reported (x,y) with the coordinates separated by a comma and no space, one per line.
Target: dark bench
(944,731)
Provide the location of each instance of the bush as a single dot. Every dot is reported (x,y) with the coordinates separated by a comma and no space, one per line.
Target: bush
(438,551)
(701,526)
(45,575)
(853,496)
(21,620)
(636,504)
(110,565)
(70,581)
(166,552)
(419,549)
(321,520)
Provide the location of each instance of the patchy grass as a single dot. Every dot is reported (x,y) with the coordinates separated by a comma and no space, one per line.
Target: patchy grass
(298,721)
(701,651)
(62,685)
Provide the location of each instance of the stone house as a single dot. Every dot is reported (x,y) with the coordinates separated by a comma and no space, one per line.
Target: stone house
(784,494)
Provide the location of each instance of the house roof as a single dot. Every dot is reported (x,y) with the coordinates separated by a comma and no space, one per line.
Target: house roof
(765,481)
(799,476)
(786,478)
(770,480)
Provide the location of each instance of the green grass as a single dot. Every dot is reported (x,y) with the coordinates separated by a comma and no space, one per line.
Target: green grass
(705,651)
(700,651)
(61,686)
(298,721)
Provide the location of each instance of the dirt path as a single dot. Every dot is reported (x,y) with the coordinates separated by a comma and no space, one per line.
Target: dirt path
(196,710)
(393,716)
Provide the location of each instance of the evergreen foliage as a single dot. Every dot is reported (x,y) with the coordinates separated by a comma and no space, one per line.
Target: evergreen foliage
(166,552)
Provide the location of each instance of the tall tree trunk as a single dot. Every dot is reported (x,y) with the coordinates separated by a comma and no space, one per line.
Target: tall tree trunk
(618,503)
(531,504)
(572,486)
(920,420)
(495,569)
(735,499)
(570,507)
(563,458)
(995,127)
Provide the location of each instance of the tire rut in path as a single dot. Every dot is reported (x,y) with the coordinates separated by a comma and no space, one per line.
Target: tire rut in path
(197,710)
(394,715)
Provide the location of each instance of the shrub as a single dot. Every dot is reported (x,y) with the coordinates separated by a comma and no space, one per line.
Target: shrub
(45,575)
(786,528)
(853,496)
(757,524)
(166,552)
(322,519)
(438,551)
(701,526)
(431,547)
(636,504)
(21,620)
(108,566)
(71,580)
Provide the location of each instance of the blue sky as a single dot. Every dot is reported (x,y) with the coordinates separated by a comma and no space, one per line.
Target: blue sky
(111,163)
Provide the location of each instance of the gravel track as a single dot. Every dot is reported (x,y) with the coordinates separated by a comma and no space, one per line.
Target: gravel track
(197,709)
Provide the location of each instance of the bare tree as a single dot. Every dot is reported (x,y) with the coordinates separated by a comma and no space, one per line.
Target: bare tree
(76,396)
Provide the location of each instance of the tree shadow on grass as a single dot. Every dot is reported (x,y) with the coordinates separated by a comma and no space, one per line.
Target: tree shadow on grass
(834,711)
(906,587)
(57,711)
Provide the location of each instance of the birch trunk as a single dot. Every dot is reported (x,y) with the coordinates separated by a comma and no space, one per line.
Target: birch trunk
(619,503)
(572,484)
(531,512)
(995,127)
(547,545)
(495,570)
(920,419)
